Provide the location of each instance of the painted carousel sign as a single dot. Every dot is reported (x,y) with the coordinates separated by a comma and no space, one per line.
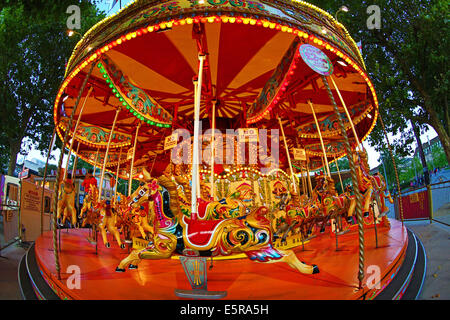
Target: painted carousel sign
(95,135)
(144,15)
(316,59)
(133,97)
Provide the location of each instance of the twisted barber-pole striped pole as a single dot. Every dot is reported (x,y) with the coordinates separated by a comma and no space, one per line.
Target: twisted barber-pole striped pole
(395,166)
(50,147)
(58,173)
(358,195)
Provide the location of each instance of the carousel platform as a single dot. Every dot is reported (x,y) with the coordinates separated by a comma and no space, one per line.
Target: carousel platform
(400,257)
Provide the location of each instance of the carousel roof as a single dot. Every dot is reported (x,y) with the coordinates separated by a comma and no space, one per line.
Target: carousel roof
(146,58)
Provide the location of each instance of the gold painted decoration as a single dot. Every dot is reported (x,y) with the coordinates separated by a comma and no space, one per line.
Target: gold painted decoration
(96,136)
(113,157)
(276,85)
(132,97)
(122,27)
(332,148)
(329,123)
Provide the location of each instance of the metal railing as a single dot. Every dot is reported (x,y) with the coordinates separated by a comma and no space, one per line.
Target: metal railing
(439,204)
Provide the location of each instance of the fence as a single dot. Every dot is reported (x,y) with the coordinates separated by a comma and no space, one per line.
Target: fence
(432,203)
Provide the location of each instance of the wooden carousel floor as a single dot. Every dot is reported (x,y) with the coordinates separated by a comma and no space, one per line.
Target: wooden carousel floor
(241,278)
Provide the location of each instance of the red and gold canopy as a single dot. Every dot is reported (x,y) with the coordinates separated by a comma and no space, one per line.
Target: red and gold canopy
(146,58)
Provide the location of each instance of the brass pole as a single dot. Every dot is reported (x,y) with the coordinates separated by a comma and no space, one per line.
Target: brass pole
(195,194)
(303,179)
(347,113)
(75,130)
(74,167)
(117,175)
(130,181)
(75,162)
(339,173)
(321,139)
(213,147)
(395,166)
(58,173)
(288,156)
(96,160)
(309,178)
(106,154)
(358,195)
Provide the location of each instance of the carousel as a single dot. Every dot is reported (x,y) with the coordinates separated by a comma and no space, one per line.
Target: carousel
(223,118)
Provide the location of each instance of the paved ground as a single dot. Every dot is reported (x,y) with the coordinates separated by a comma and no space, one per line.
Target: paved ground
(9,285)
(436,240)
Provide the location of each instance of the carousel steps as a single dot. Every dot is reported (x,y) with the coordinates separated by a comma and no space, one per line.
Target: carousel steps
(32,284)
(407,283)
(414,288)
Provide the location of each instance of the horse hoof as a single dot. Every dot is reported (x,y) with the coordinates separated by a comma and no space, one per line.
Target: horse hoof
(107,245)
(120,270)
(315,269)
(122,246)
(132,267)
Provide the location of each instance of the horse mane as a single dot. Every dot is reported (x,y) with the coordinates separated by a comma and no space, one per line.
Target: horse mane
(171,188)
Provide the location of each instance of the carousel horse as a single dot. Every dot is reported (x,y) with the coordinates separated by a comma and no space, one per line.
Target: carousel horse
(298,216)
(140,220)
(124,218)
(304,216)
(372,187)
(101,215)
(332,206)
(89,203)
(174,231)
(66,203)
(108,222)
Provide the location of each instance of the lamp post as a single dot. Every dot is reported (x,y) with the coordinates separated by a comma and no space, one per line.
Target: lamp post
(71,32)
(341,9)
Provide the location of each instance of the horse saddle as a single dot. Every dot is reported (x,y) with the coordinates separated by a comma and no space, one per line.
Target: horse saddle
(200,232)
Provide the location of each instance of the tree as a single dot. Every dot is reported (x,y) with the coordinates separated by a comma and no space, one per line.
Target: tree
(407,60)
(439,158)
(34,49)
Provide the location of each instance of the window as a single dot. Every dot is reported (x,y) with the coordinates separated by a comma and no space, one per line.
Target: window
(12,192)
(47,203)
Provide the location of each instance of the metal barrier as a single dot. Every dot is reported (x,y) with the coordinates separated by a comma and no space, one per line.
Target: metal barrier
(426,203)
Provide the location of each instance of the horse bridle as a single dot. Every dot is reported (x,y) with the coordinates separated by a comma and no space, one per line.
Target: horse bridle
(142,193)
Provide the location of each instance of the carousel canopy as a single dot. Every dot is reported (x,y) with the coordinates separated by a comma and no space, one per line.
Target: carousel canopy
(146,60)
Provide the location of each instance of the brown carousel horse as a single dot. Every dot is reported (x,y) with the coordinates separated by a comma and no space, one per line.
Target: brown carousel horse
(324,206)
(332,205)
(173,231)
(89,202)
(125,218)
(372,187)
(108,222)
(101,215)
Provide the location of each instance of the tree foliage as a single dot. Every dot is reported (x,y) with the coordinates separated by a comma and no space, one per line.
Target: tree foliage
(34,49)
(407,60)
